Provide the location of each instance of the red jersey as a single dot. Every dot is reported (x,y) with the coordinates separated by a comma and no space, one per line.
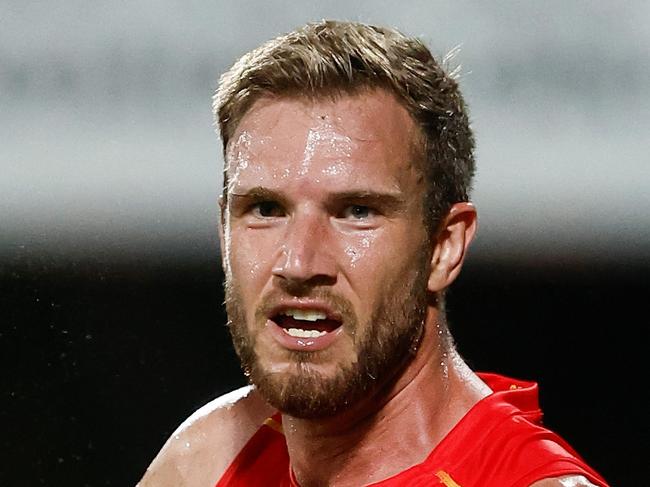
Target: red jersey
(499,443)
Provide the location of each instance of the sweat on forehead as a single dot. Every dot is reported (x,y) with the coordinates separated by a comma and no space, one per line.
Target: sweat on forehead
(298,128)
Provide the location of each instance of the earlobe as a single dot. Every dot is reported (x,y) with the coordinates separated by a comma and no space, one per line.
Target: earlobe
(456,233)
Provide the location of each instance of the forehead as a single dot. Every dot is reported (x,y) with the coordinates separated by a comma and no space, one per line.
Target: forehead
(368,134)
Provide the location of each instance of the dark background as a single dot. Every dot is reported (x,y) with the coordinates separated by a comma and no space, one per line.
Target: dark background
(102,360)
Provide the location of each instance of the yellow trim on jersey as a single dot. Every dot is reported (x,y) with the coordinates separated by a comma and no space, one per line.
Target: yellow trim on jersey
(446,479)
(274,425)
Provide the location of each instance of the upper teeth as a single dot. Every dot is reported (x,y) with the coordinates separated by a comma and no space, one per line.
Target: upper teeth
(306,315)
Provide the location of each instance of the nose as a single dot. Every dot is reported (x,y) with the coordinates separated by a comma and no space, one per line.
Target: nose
(306,257)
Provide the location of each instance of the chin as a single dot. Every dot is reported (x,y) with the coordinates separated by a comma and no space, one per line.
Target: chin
(302,371)
(310,391)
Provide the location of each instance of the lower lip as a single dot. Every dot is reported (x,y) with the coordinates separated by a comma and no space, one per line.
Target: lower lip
(304,344)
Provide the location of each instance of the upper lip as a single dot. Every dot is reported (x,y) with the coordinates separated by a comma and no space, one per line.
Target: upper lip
(306,305)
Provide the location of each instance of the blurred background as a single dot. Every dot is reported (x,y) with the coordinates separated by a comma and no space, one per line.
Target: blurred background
(111,324)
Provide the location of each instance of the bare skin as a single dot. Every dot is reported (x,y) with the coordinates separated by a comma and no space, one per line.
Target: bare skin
(307,154)
(311,156)
(569,481)
(200,450)
(203,463)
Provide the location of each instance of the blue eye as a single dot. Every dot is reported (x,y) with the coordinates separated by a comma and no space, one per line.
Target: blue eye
(357,212)
(267,209)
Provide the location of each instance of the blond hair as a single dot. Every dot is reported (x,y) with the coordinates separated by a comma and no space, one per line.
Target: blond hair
(332,58)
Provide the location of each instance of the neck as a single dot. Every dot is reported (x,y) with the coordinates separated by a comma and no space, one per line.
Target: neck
(367,443)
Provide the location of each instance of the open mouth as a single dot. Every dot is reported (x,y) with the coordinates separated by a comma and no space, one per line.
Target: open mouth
(301,323)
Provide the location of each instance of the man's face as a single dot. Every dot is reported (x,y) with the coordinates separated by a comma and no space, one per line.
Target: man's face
(325,252)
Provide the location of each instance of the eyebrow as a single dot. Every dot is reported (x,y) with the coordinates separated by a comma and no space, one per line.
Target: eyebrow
(389,200)
(258,192)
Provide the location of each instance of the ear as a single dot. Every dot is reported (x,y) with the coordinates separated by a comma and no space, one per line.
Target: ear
(454,236)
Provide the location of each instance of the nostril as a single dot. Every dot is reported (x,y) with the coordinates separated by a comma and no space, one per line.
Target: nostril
(299,288)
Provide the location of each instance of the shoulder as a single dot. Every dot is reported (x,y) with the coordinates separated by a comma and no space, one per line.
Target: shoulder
(569,481)
(204,445)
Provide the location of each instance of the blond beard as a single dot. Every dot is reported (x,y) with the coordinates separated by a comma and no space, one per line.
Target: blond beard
(383,346)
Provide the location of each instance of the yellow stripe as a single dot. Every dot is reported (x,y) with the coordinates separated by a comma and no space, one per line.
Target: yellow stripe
(274,425)
(446,479)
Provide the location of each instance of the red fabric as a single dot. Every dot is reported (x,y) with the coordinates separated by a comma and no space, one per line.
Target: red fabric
(499,443)
(264,461)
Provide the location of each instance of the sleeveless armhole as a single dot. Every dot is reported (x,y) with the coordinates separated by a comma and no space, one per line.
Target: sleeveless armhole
(264,460)
(500,442)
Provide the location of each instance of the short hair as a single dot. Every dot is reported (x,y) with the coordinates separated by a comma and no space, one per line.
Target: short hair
(333,58)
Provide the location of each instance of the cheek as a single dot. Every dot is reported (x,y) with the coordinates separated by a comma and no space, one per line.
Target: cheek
(382,251)
(367,266)
(359,249)
(251,255)
(375,263)
(247,271)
